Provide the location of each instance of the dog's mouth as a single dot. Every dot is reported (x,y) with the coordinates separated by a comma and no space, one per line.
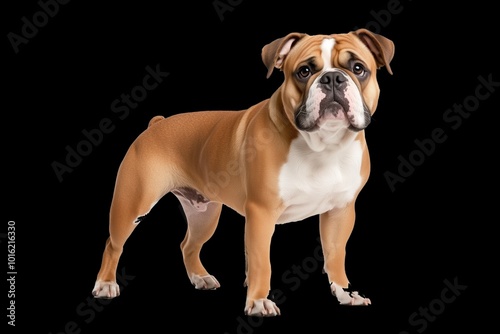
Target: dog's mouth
(334,101)
(332,113)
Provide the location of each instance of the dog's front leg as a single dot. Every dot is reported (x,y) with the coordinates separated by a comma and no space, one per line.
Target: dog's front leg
(335,229)
(259,229)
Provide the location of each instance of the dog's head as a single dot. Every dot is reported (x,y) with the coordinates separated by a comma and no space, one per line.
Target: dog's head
(330,80)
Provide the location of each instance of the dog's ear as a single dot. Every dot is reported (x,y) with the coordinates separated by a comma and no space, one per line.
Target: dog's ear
(381,47)
(274,53)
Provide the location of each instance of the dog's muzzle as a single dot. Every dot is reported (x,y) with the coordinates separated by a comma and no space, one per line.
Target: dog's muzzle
(333,98)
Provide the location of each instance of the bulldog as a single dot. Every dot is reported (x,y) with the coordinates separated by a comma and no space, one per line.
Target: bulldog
(300,153)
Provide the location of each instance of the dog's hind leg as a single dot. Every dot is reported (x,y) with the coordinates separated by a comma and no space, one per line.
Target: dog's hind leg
(141,182)
(202,219)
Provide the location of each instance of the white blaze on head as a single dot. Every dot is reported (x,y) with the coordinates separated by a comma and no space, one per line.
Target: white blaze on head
(316,94)
(356,112)
(326,52)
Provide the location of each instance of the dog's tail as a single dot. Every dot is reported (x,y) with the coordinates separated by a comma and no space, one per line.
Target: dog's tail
(155,120)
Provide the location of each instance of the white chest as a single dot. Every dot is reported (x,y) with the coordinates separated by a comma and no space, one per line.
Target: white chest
(312,182)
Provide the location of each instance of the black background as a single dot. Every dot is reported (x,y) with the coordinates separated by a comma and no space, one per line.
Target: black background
(436,226)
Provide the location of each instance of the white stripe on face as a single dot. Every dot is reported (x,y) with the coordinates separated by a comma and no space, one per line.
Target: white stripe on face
(326,52)
(356,113)
(316,94)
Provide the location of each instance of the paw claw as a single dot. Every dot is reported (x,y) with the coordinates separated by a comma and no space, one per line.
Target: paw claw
(262,308)
(207,282)
(106,290)
(348,298)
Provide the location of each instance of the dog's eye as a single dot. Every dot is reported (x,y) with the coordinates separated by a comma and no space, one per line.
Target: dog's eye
(304,72)
(358,69)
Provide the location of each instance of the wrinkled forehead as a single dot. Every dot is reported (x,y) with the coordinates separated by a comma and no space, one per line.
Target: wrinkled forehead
(329,51)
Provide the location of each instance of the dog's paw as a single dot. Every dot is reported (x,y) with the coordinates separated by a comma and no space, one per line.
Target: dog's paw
(207,282)
(348,298)
(106,289)
(262,308)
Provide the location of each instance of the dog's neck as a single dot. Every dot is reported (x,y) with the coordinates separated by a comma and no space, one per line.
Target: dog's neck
(329,139)
(278,116)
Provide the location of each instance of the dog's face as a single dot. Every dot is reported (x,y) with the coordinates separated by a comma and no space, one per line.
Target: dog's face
(330,80)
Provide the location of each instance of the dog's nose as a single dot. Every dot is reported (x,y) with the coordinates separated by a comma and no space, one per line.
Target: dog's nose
(332,79)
